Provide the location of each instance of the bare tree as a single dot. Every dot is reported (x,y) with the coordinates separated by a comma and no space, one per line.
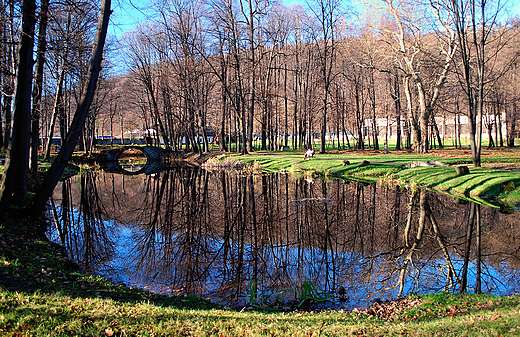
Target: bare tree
(38,85)
(146,59)
(8,67)
(74,133)
(476,24)
(327,14)
(414,51)
(13,186)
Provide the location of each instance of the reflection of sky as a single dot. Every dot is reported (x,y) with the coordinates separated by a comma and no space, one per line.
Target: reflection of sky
(284,268)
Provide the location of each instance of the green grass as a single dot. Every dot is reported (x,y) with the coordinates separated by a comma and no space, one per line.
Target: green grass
(62,316)
(483,184)
(480,183)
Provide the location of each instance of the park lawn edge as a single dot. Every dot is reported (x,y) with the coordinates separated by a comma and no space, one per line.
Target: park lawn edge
(482,185)
(45,294)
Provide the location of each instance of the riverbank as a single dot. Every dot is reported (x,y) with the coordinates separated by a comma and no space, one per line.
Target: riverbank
(496,183)
(42,293)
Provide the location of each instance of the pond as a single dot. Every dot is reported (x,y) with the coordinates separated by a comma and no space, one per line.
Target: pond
(276,240)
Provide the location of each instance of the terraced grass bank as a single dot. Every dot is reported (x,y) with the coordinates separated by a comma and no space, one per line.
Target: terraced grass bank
(496,183)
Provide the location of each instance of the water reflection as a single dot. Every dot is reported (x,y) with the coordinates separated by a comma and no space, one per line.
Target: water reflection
(190,231)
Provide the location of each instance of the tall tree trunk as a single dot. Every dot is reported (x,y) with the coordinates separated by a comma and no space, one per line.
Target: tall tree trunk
(511,126)
(38,86)
(412,120)
(13,186)
(8,77)
(286,107)
(224,107)
(437,132)
(372,95)
(500,136)
(82,110)
(397,101)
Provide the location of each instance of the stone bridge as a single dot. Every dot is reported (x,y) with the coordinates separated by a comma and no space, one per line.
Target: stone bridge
(156,159)
(152,153)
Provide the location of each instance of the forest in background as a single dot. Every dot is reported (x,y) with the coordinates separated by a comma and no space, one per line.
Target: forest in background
(262,75)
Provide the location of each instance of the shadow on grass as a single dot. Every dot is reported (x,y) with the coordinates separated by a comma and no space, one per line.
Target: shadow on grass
(29,263)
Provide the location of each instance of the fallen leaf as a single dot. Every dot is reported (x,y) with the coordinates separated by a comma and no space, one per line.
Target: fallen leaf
(496,317)
(109,332)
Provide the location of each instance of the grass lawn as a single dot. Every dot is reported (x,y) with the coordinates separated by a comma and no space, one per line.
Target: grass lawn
(484,184)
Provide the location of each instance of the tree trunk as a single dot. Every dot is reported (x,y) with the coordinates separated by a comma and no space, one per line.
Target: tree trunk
(58,102)
(38,86)
(437,132)
(372,95)
(511,127)
(499,129)
(8,77)
(13,186)
(397,101)
(412,120)
(74,133)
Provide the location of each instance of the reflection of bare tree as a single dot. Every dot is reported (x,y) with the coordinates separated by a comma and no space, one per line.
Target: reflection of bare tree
(440,240)
(408,227)
(467,250)
(97,245)
(415,244)
(211,233)
(145,250)
(478,283)
(85,234)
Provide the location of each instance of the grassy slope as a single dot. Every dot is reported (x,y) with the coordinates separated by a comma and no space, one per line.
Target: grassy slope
(43,294)
(483,184)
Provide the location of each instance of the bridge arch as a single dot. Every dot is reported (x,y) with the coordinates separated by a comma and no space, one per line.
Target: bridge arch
(154,158)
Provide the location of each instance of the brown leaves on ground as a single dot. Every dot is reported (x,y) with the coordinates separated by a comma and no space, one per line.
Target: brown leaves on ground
(404,309)
(391,311)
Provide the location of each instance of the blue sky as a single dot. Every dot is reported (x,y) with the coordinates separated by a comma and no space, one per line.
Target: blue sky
(128,13)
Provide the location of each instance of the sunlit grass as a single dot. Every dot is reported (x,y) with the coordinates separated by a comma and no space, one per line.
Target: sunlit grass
(55,314)
(483,184)
(480,182)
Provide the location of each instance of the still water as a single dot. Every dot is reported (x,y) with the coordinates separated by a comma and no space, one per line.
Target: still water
(238,239)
